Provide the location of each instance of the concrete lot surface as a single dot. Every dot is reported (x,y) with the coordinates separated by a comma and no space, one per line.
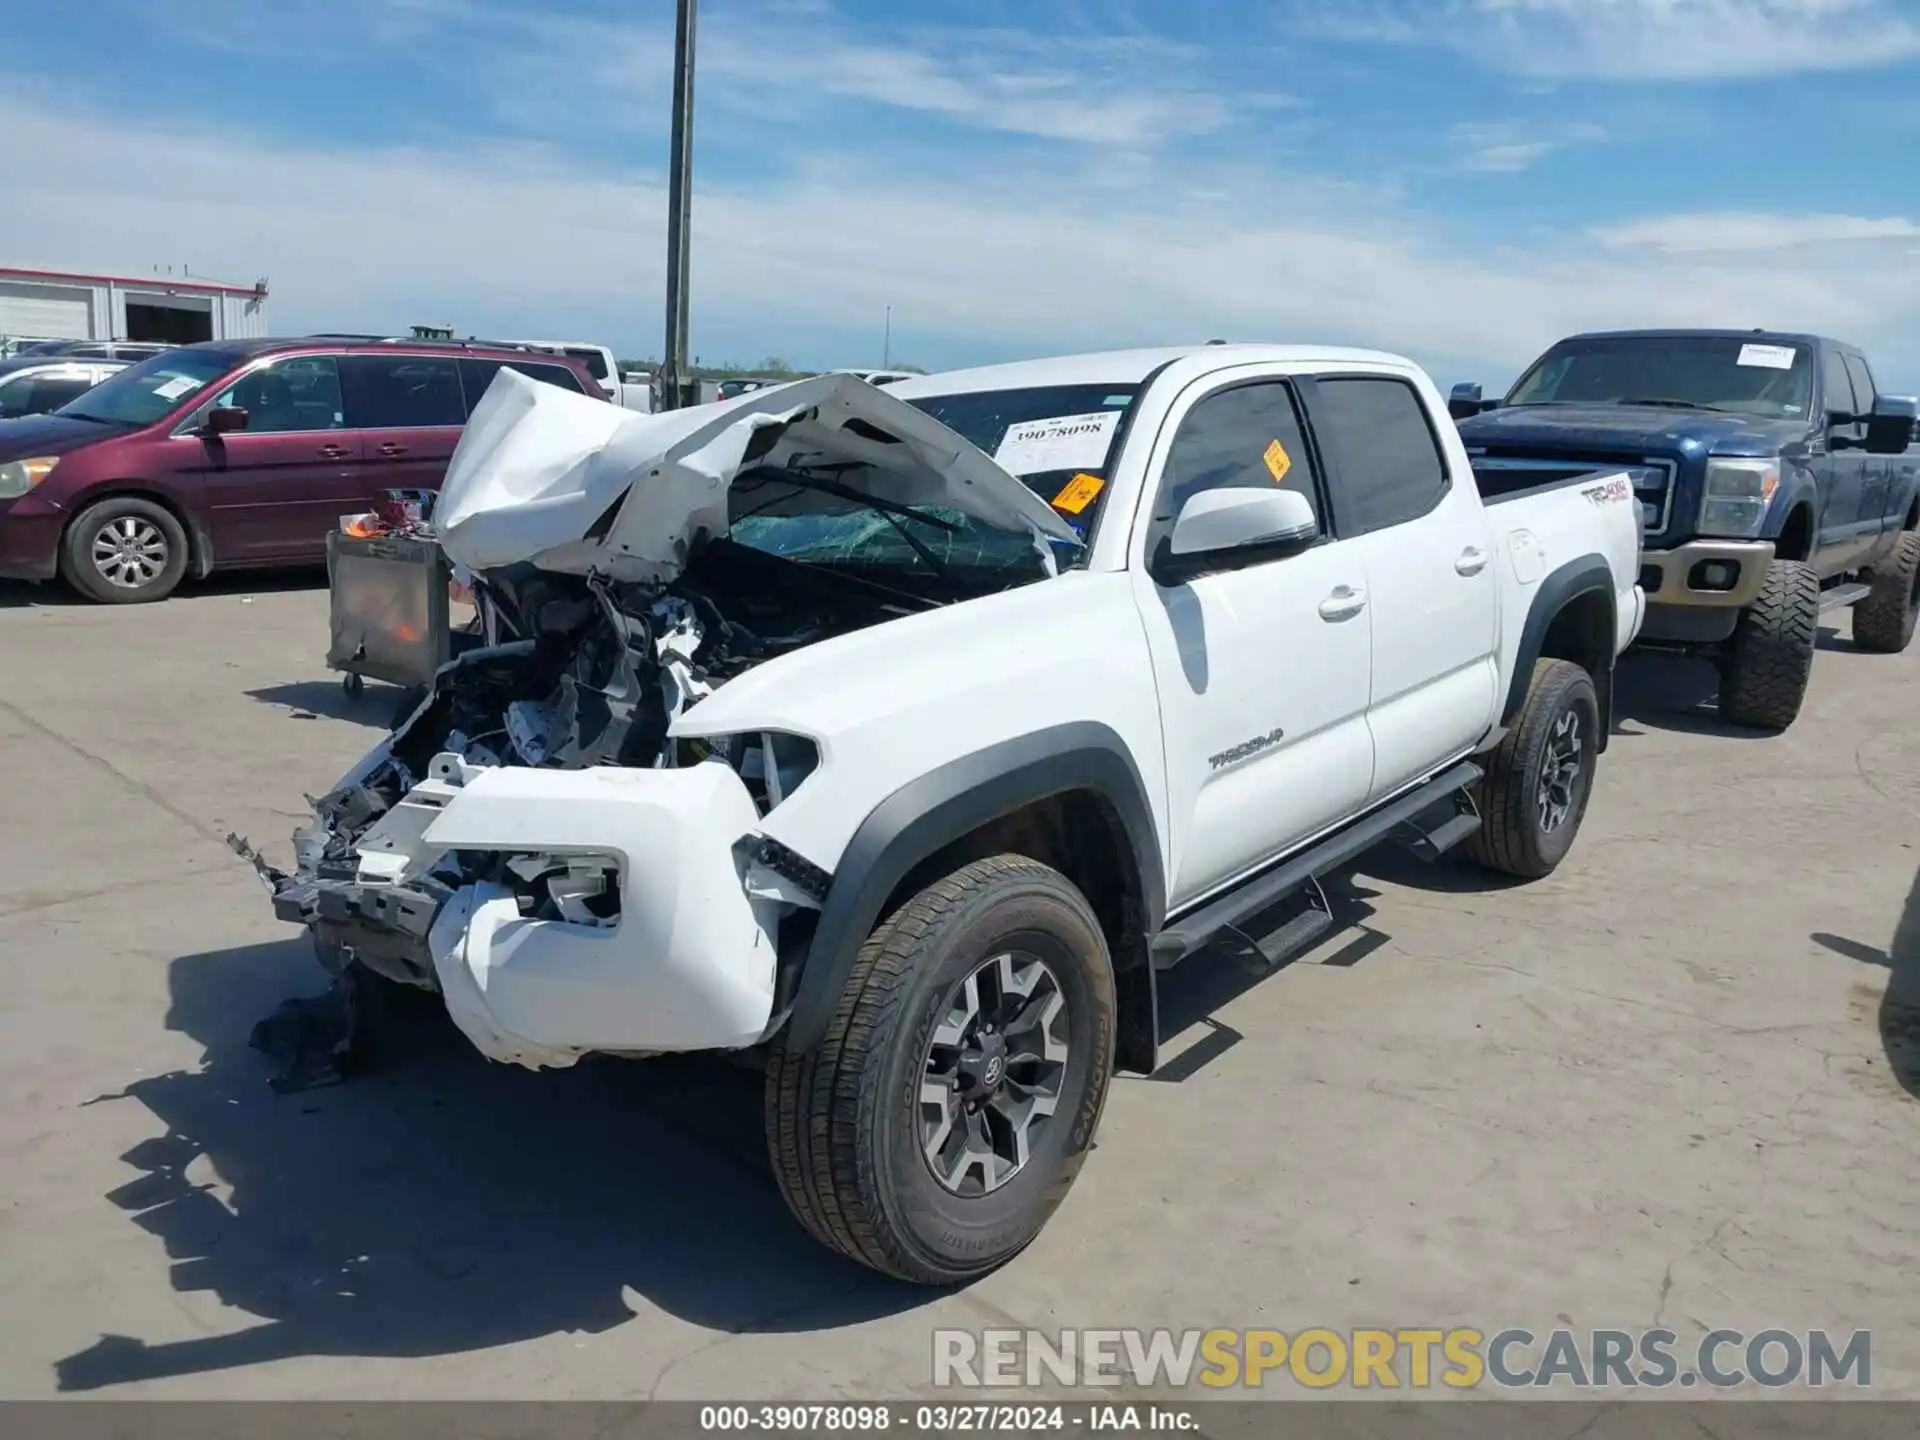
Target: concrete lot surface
(1676,1083)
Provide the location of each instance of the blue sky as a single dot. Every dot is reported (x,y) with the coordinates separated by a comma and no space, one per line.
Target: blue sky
(1459,180)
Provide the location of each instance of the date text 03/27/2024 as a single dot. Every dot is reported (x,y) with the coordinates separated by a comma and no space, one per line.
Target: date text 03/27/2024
(939,1419)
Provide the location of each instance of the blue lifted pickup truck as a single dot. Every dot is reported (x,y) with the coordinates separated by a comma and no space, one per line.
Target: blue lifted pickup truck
(1774,481)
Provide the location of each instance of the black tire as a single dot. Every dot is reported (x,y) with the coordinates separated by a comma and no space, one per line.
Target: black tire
(152,544)
(844,1121)
(1884,621)
(1531,803)
(1764,673)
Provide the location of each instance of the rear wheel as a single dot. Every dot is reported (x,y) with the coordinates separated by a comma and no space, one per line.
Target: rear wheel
(1539,777)
(1884,621)
(1769,660)
(945,1116)
(124,551)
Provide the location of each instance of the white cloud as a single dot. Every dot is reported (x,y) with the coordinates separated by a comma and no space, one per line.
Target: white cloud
(1510,147)
(1022,261)
(760,62)
(1638,39)
(1731,233)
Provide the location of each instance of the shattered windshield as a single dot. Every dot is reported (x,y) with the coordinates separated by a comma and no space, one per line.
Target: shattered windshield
(1058,439)
(1740,375)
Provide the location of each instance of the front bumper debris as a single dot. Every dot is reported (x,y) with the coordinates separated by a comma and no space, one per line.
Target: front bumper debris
(686,962)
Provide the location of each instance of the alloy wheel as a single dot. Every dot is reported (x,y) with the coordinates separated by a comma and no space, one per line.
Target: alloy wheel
(130,551)
(1561,776)
(993,1073)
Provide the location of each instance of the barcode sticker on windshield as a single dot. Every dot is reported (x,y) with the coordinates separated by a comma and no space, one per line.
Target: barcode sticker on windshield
(1068,442)
(1767,357)
(174,388)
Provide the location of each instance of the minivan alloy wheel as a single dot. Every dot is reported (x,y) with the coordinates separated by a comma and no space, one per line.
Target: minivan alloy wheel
(993,1073)
(129,551)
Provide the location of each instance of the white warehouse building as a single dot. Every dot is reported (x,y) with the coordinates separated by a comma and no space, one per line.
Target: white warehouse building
(179,310)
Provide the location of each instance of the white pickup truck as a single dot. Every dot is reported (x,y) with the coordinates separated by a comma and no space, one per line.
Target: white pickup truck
(899,736)
(628,390)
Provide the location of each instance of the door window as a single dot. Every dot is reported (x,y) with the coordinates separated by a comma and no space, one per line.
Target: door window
(477,375)
(299,394)
(1249,435)
(1839,384)
(402,392)
(1862,385)
(1388,462)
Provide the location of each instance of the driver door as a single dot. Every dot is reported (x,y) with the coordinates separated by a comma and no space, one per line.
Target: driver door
(1263,665)
(273,490)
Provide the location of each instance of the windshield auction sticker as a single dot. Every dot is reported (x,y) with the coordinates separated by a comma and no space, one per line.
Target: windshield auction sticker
(1067,442)
(1079,494)
(1767,357)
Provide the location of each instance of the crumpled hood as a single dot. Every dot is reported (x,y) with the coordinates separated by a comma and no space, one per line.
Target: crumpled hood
(1614,427)
(575,484)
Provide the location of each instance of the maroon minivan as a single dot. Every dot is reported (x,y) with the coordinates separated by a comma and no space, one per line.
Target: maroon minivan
(236,453)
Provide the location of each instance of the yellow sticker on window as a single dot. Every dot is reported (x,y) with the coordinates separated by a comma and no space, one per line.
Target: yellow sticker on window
(1278,461)
(1079,493)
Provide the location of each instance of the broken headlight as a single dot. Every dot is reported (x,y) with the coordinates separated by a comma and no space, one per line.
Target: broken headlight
(576,889)
(772,763)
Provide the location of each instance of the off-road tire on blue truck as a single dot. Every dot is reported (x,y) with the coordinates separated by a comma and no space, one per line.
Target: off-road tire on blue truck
(1767,663)
(1884,621)
(1544,763)
(847,1123)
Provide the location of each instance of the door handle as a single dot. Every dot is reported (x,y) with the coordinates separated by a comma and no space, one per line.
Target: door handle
(333,452)
(389,447)
(1343,604)
(1471,562)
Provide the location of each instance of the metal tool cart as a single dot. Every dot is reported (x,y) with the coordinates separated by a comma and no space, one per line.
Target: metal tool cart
(389,600)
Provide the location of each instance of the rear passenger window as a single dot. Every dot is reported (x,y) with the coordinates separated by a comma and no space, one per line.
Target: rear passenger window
(1249,435)
(1389,464)
(401,392)
(594,360)
(477,375)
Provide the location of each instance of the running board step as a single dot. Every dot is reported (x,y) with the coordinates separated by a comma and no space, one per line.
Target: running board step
(1437,842)
(1299,933)
(1252,897)
(1453,822)
(1841,596)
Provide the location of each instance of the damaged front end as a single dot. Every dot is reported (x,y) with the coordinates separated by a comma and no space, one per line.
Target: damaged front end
(531,844)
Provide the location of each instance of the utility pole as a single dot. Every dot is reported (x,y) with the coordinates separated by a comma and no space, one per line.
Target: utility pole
(886,349)
(676,382)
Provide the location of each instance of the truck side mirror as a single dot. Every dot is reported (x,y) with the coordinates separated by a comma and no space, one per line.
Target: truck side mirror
(1242,520)
(1890,426)
(1465,402)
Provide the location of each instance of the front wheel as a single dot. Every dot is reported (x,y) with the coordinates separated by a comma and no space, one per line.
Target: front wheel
(1539,777)
(124,551)
(1769,660)
(944,1118)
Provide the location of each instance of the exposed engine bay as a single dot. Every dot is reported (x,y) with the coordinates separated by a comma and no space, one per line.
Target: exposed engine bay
(571,673)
